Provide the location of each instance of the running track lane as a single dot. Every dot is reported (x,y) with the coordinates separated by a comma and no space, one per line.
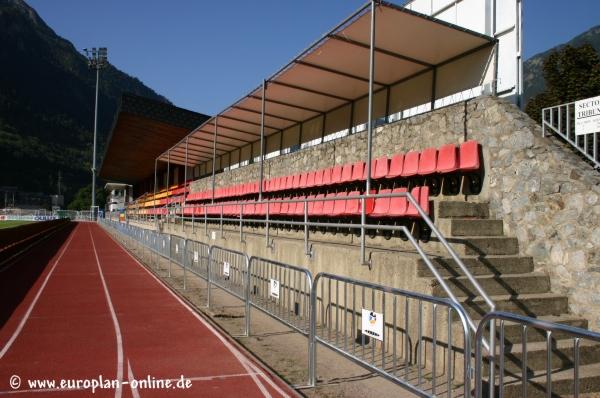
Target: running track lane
(102,313)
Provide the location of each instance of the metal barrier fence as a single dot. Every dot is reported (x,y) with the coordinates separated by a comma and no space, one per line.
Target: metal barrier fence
(281,291)
(560,120)
(530,375)
(420,342)
(382,329)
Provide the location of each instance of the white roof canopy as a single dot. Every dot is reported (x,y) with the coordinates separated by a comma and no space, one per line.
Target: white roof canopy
(333,72)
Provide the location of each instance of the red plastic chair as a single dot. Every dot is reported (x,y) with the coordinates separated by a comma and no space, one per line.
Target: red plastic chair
(303,178)
(328,205)
(339,205)
(358,171)
(447,159)
(296,181)
(317,209)
(382,205)
(327,177)
(428,161)
(469,156)
(398,205)
(310,179)
(318,178)
(421,194)
(275,208)
(336,174)
(289,182)
(346,174)
(381,167)
(411,164)
(373,164)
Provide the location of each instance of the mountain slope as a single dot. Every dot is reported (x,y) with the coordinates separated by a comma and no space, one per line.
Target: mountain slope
(47,104)
(533,73)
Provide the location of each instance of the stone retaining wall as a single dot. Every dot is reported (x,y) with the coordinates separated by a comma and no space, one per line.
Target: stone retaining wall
(547,196)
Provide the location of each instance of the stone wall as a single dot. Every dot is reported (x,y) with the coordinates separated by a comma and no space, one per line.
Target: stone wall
(545,194)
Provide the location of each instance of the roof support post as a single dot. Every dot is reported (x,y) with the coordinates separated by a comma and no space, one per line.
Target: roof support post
(184,184)
(154,197)
(214,159)
(262,140)
(168,177)
(433,87)
(363,214)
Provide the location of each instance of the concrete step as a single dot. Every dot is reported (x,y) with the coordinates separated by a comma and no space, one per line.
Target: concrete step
(561,358)
(478,246)
(456,209)
(511,284)
(489,265)
(470,227)
(535,305)
(562,383)
(513,332)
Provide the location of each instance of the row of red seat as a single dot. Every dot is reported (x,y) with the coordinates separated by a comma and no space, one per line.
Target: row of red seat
(343,206)
(447,159)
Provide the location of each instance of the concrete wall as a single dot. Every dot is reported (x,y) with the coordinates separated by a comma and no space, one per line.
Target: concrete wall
(545,194)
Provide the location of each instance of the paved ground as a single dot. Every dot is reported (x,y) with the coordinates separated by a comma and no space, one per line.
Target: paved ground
(78,308)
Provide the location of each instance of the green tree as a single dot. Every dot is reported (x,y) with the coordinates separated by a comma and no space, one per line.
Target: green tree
(83,198)
(571,73)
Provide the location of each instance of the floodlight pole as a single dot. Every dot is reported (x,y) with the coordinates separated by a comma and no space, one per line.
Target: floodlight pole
(262,139)
(214,158)
(363,215)
(95,134)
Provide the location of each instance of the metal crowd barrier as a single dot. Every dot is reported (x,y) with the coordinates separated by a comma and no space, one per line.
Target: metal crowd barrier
(281,291)
(551,332)
(382,329)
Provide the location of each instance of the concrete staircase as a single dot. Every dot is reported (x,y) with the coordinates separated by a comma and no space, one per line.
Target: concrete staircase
(514,286)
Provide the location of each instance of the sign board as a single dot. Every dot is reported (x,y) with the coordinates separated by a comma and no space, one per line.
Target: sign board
(274,288)
(176,248)
(587,116)
(163,243)
(195,256)
(372,324)
(226,269)
(213,235)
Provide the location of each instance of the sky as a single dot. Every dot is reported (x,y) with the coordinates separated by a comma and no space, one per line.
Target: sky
(204,55)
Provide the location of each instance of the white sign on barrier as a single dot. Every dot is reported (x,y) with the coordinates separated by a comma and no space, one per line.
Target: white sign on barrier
(372,324)
(226,269)
(213,235)
(163,243)
(176,248)
(587,116)
(195,256)
(274,288)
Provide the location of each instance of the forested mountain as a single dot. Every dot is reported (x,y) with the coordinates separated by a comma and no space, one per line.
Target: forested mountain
(47,104)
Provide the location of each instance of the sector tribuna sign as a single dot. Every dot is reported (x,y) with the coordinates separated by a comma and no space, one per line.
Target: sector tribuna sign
(587,116)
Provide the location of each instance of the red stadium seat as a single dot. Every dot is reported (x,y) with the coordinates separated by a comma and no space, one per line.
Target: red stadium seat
(336,174)
(382,205)
(296,181)
(249,209)
(398,205)
(428,161)
(411,164)
(358,170)
(279,184)
(373,164)
(421,194)
(299,209)
(469,156)
(319,178)
(327,177)
(339,205)
(289,182)
(346,173)
(310,179)
(447,159)
(303,178)
(328,205)
(381,167)
(285,205)
(311,205)
(275,207)
(260,209)
(317,209)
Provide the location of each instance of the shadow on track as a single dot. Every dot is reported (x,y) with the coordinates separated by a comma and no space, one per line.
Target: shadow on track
(19,276)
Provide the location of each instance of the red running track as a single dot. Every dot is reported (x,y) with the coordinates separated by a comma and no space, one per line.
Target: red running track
(94,312)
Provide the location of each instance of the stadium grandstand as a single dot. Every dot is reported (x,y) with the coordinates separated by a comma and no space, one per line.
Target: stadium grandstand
(384,204)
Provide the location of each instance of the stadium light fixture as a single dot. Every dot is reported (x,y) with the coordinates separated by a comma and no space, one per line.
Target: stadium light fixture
(97,59)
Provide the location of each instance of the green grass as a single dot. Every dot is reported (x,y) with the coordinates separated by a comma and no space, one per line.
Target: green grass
(11,223)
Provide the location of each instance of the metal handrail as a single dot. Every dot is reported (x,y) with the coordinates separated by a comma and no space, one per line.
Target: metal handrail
(576,334)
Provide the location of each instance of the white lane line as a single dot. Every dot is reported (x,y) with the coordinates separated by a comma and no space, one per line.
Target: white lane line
(131,378)
(118,391)
(245,362)
(40,390)
(19,328)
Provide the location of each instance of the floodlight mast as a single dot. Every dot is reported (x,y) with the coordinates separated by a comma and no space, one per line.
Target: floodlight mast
(97,59)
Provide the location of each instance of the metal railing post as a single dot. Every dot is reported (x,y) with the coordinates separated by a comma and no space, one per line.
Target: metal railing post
(185,241)
(241,225)
(307,250)
(169,256)
(221,223)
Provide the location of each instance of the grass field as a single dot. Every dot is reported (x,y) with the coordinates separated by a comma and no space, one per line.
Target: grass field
(11,223)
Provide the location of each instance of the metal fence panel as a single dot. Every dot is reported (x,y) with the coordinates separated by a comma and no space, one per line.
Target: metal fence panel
(228,270)
(197,258)
(177,249)
(415,340)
